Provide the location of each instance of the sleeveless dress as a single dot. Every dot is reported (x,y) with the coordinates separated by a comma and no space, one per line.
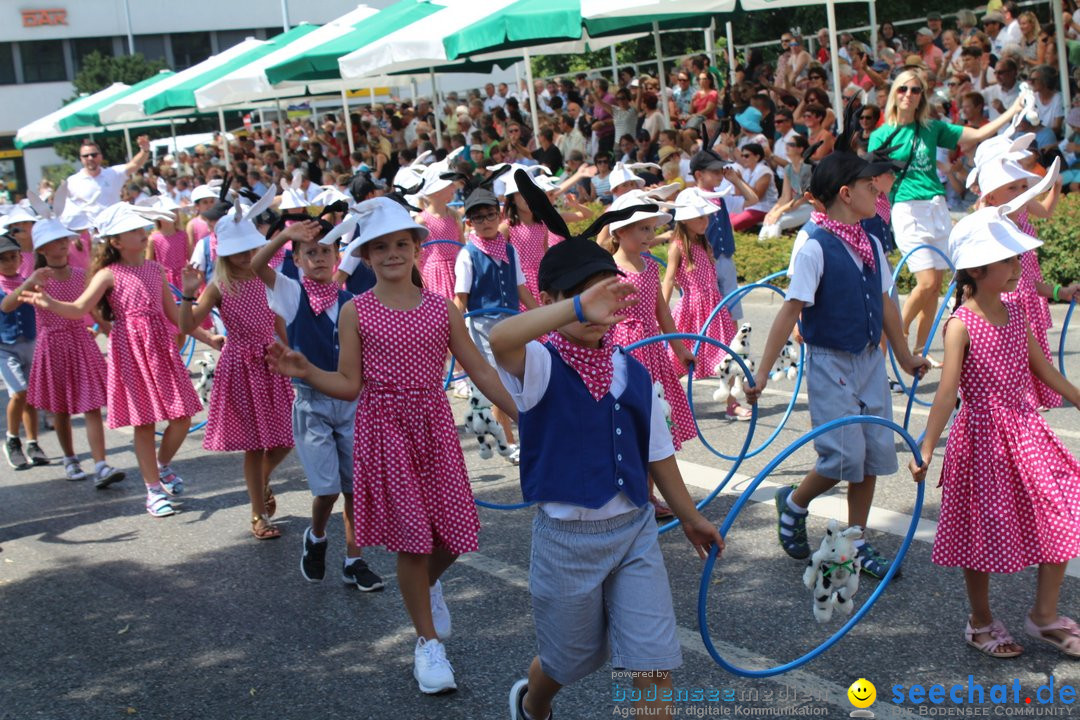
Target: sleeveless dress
(147,380)
(199,228)
(250,405)
(1011,490)
(171,251)
(68,373)
(410,485)
(437,261)
(530,241)
(700,295)
(640,323)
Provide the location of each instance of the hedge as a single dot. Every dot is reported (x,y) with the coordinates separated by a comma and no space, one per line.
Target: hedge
(1059,254)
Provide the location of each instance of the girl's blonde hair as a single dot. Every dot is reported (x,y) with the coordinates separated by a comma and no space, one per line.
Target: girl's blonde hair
(687,238)
(922,112)
(224,275)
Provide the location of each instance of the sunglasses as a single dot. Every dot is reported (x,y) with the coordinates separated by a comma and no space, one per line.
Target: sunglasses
(483,218)
(866,117)
(90,155)
(746,156)
(816,77)
(905,89)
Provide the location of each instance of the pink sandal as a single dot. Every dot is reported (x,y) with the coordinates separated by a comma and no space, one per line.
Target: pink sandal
(1068,645)
(999,638)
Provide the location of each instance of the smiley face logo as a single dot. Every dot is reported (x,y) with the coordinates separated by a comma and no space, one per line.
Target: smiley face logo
(862,693)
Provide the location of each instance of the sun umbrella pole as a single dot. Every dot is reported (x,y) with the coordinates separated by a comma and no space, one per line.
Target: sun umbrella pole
(224,139)
(731,54)
(127,141)
(436,109)
(661,74)
(834,56)
(348,119)
(873,28)
(281,134)
(614,64)
(172,129)
(710,41)
(532,96)
(1062,53)
(371,94)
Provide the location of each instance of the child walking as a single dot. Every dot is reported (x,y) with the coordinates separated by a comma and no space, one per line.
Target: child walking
(840,285)
(147,382)
(1010,489)
(322,425)
(411,489)
(249,404)
(690,266)
(592,432)
(169,243)
(443,223)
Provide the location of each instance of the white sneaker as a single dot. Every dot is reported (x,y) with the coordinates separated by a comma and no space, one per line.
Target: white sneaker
(431,669)
(440,614)
(514,456)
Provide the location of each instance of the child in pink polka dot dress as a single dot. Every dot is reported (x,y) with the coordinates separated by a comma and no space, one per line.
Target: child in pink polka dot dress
(444,225)
(411,489)
(1010,488)
(147,382)
(250,405)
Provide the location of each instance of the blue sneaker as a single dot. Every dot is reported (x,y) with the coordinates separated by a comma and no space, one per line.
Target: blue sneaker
(794,541)
(873,563)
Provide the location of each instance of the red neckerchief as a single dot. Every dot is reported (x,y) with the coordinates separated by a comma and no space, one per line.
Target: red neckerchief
(883,207)
(853,235)
(495,248)
(593,365)
(321,296)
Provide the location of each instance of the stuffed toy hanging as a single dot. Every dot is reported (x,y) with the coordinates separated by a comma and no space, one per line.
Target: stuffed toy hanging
(732,380)
(480,423)
(787,363)
(832,572)
(206,376)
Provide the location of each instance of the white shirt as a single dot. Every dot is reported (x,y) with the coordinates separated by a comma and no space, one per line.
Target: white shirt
(493,102)
(528,391)
(349,263)
(97,193)
(779,148)
(751,177)
(284,299)
(1051,111)
(463,269)
(1012,35)
(808,265)
(199,254)
(995,92)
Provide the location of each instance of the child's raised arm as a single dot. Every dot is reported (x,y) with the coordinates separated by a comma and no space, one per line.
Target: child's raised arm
(99,284)
(346,382)
(956,345)
(300,232)
(175,313)
(190,318)
(15,298)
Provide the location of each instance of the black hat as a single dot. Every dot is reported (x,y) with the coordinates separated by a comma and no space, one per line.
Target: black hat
(571,263)
(7,244)
(216,211)
(481,197)
(706,160)
(839,169)
(933,15)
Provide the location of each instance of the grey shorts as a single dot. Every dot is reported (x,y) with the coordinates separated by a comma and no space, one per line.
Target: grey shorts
(841,384)
(479,330)
(601,588)
(323,429)
(15,362)
(728,281)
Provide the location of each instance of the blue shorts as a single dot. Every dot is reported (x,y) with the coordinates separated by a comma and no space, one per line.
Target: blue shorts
(15,362)
(323,430)
(841,384)
(601,588)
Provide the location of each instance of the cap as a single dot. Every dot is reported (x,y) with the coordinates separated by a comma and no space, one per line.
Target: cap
(933,15)
(8,244)
(706,160)
(570,263)
(994,16)
(840,169)
(45,231)
(630,200)
(481,197)
(925,31)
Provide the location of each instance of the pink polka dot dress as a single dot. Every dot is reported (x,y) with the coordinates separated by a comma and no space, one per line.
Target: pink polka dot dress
(1011,490)
(147,380)
(250,405)
(81,251)
(700,295)
(437,261)
(530,241)
(199,228)
(410,485)
(171,251)
(641,323)
(68,374)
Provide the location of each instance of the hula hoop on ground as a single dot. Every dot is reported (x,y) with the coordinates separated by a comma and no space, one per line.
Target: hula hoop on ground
(733,297)
(481,312)
(699,339)
(1064,334)
(706,576)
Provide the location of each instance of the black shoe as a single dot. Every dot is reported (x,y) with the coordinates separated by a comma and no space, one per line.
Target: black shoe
(313,561)
(14,453)
(359,574)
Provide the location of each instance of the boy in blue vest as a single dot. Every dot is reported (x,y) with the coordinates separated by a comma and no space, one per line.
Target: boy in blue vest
(488,275)
(840,284)
(322,426)
(592,432)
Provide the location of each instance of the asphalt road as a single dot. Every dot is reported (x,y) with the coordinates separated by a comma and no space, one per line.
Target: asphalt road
(108,613)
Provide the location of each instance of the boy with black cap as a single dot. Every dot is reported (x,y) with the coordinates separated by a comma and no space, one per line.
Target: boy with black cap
(488,275)
(592,431)
(840,285)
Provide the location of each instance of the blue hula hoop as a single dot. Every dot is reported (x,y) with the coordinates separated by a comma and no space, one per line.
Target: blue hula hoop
(772,276)
(910,391)
(189,348)
(733,297)
(480,312)
(441,242)
(706,576)
(1064,334)
(699,339)
(658,261)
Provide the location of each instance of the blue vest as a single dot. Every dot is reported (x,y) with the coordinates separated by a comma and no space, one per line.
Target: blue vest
(837,319)
(316,335)
(288,267)
(362,279)
(880,229)
(19,323)
(582,452)
(719,233)
(494,284)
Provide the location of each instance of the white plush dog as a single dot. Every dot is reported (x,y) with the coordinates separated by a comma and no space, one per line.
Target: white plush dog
(206,376)
(832,572)
(480,422)
(787,363)
(658,391)
(732,379)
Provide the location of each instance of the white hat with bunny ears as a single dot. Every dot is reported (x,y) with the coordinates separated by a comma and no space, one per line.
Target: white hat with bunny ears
(18,214)
(375,217)
(510,185)
(624,173)
(236,231)
(694,202)
(997,147)
(434,181)
(49,227)
(292,197)
(123,217)
(988,235)
(631,199)
(1001,171)
(330,194)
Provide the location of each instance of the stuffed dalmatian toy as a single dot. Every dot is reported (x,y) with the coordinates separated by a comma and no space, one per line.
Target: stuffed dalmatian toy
(832,572)
(658,391)
(480,423)
(206,376)
(732,381)
(787,364)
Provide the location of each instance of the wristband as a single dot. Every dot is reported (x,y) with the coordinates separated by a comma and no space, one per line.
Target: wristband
(1057,289)
(184,298)
(578,309)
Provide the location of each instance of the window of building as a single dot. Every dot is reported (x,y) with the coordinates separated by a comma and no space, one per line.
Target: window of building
(230,38)
(190,48)
(81,47)
(43,61)
(152,47)
(7,64)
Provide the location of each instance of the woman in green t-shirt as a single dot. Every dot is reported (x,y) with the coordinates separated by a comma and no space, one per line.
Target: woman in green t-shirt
(919,213)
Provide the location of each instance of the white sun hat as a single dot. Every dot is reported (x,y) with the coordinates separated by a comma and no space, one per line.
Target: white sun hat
(330,194)
(623,173)
(1000,172)
(988,235)
(209,191)
(694,203)
(629,200)
(122,217)
(510,185)
(375,217)
(999,146)
(45,231)
(18,214)
(236,231)
(434,181)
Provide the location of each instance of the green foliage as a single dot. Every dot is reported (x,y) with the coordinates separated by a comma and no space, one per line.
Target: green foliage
(1058,255)
(754,259)
(57,173)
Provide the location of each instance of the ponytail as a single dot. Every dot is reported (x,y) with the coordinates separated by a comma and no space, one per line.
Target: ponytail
(965,287)
(105,256)
(607,240)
